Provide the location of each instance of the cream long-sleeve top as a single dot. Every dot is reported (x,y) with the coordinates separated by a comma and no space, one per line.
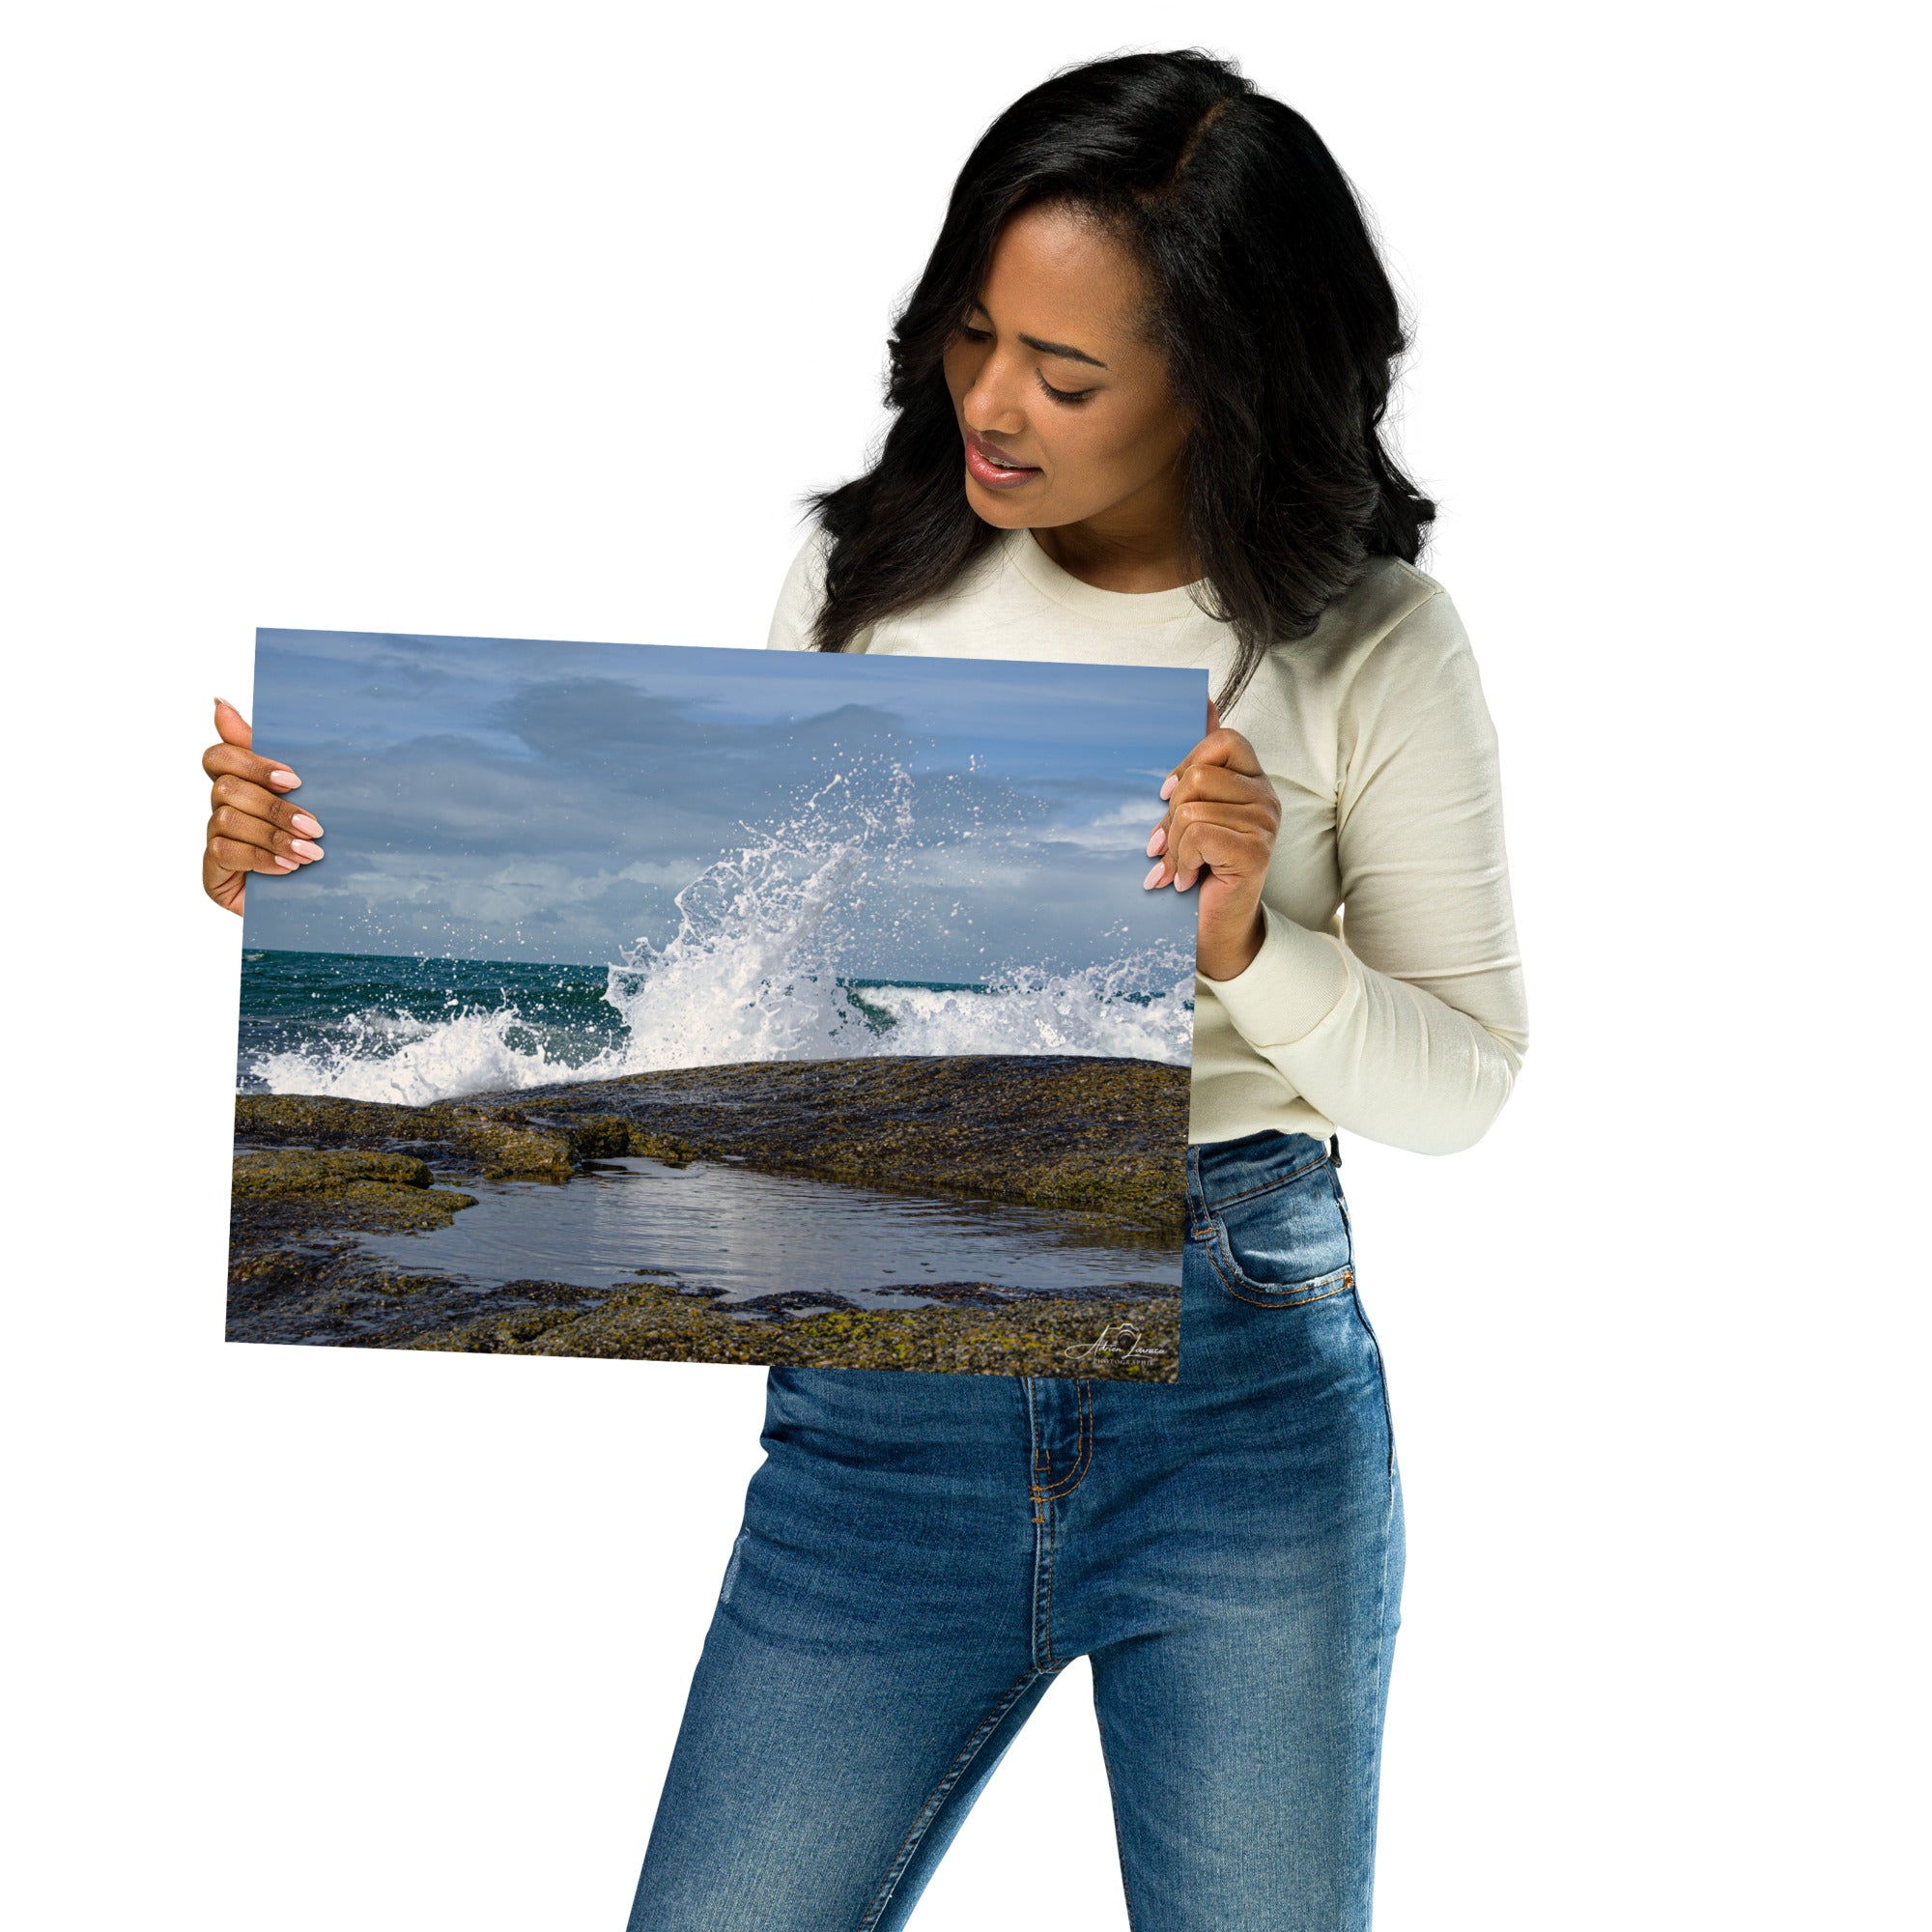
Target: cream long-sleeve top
(1387,996)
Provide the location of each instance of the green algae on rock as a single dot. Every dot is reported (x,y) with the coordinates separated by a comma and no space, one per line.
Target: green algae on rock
(497,1146)
(1056,1130)
(1048,1334)
(305,1171)
(279,1190)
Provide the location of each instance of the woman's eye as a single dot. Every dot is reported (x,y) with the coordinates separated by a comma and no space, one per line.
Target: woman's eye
(1064,395)
(971,334)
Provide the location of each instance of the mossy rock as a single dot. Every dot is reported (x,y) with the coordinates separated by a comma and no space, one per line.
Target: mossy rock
(1068,1132)
(499,1144)
(1047,1335)
(1064,1131)
(599,1137)
(307,1171)
(673,1149)
(515,1154)
(370,1205)
(287,1188)
(316,1120)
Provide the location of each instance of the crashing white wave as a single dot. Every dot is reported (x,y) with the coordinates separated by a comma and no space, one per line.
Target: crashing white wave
(753,973)
(411,1063)
(1136,1010)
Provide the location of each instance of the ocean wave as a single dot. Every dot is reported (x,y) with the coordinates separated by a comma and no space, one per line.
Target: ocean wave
(1136,1009)
(378,1055)
(754,972)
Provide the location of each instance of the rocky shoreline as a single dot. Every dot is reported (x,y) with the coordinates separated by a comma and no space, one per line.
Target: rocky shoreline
(1094,1140)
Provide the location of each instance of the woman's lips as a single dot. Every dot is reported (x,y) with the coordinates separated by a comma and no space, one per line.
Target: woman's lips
(994,474)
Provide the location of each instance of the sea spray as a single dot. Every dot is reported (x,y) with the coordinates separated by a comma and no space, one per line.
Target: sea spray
(1140,1009)
(752,970)
(757,970)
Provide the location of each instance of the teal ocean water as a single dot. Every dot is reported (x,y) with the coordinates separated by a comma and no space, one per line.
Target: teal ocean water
(376,1028)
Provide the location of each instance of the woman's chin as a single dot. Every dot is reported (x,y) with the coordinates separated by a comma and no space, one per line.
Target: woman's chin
(998,507)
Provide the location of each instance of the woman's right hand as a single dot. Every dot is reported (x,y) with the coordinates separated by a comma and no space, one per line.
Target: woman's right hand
(253,828)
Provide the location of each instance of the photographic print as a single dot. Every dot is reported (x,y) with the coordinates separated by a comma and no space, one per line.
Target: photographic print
(714,1004)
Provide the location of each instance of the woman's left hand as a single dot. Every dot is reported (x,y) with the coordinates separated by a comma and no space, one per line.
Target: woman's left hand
(1222,816)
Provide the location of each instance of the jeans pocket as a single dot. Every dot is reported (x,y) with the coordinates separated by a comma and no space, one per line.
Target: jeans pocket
(1286,1242)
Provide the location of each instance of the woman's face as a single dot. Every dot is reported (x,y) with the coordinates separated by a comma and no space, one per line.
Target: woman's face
(1049,373)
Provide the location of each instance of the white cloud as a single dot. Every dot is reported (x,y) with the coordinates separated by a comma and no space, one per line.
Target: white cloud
(1126,829)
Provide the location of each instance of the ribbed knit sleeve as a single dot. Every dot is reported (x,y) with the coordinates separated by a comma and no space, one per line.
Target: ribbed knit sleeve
(1410,1027)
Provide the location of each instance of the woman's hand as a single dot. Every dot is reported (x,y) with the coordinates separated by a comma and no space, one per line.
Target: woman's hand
(253,828)
(1222,816)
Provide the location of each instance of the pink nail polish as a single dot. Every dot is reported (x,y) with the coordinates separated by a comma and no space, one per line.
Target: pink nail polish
(1153,876)
(1157,841)
(286,865)
(306,825)
(1173,780)
(283,778)
(306,848)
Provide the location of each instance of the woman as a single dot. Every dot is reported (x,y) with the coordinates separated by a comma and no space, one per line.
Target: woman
(1137,399)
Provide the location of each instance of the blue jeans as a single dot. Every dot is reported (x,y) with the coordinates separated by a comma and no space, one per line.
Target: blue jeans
(922,1555)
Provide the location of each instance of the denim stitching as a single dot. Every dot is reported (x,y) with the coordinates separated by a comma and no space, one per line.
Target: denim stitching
(1041,1462)
(1083,1454)
(1044,1543)
(1342,1287)
(1271,1294)
(1043,1606)
(909,1844)
(1381,1377)
(1197,1200)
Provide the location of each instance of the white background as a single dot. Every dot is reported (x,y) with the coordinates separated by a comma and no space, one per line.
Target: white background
(535,321)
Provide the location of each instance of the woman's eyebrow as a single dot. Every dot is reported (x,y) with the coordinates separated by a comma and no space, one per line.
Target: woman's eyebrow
(1062,348)
(1065,349)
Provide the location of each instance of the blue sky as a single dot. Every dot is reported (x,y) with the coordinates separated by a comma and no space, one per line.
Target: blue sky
(518,799)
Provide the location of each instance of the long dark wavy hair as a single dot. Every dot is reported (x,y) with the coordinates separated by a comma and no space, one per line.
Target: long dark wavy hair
(1270,303)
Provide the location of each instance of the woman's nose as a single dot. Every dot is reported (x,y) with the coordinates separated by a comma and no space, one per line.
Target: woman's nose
(990,405)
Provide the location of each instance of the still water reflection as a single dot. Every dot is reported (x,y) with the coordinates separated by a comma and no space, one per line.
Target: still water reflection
(749,1233)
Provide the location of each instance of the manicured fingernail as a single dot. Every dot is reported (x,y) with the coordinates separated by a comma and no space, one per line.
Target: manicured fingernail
(1182,883)
(284,778)
(1153,875)
(1173,780)
(304,823)
(1157,841)
(306,848)
(286,865)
